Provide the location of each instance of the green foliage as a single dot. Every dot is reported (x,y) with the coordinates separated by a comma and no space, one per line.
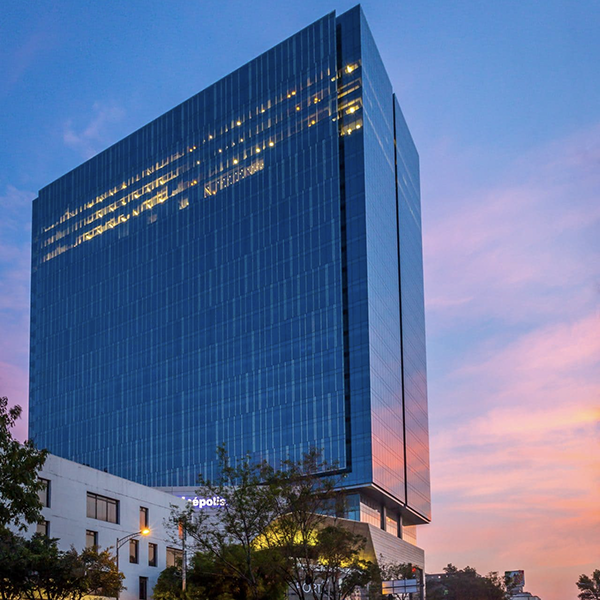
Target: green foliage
(14,566)
(219,579)
(275,528)
(589,587)
(19,464)
(36,569)
(169,585)
(378,573)
(466,584)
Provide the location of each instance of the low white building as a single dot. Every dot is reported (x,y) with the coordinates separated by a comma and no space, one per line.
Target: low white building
(85,507)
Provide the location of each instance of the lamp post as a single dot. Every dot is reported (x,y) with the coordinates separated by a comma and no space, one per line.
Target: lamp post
(123,540)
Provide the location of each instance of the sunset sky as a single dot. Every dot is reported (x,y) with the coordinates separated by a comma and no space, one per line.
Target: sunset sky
(503,101)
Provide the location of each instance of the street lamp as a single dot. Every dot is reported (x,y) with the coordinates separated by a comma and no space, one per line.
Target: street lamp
(123,540)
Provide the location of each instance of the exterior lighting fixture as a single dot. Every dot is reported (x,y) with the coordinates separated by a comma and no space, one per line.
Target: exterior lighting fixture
(123,540)
(271,144)
(235,161)
(238,123)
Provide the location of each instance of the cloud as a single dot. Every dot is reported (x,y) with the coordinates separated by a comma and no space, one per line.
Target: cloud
(512,279)
(96,134)
(507,249)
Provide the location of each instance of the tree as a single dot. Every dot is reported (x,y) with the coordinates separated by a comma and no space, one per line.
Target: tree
(317,557)
(169,585)
(382,571)
(466,584)
(589,587)
(19,465)
(274,529)
(97,573)
(13,565)
(247,508)
(36,569)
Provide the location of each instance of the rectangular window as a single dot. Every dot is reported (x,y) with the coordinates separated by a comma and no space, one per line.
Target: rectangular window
(91,539)
(44,493)
(43,528)
(102,508)
(152,555)
(143,518)
(391,523)
(134,551)
(143,588)
(174,557)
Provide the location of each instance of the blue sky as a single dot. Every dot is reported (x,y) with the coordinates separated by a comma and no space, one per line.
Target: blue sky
(503,100)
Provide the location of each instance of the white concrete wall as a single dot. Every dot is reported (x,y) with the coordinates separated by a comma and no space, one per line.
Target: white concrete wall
(67,515)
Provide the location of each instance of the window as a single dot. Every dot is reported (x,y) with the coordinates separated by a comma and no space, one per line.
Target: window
(134,551)
(391,523)
(143,588)
(152,555)
(91,539)
(174,557)
(143,518)
(43,528)
(44,493)
(102,508)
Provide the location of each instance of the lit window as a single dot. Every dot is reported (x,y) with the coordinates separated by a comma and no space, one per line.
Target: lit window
(174,557)
(44,493)
(91,538)
(143,518)
(152,555)
(43,528)
(134,551)
(102,508)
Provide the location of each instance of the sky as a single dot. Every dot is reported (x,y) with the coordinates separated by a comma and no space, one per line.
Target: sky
(503,101)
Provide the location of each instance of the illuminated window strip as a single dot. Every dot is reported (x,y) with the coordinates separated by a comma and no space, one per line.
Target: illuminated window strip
(223,181)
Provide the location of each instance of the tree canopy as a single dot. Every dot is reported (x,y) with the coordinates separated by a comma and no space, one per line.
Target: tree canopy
(466,584)
(35,569)
(273,529)
(19,465)
(589,587)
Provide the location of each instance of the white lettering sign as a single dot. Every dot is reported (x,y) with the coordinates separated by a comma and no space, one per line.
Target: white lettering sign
(200,502)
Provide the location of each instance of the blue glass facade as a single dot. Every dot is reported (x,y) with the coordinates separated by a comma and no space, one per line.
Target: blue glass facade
(244,270)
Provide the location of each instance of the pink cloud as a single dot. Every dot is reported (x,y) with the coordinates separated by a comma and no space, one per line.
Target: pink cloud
(512,275)
(485,247)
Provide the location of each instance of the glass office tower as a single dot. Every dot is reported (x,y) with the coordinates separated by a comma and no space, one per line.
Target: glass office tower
(245,270)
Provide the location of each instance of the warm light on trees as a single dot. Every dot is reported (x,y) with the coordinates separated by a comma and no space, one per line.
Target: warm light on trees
(274,529)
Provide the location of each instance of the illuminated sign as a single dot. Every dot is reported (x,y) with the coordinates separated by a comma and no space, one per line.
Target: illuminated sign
(201,502)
